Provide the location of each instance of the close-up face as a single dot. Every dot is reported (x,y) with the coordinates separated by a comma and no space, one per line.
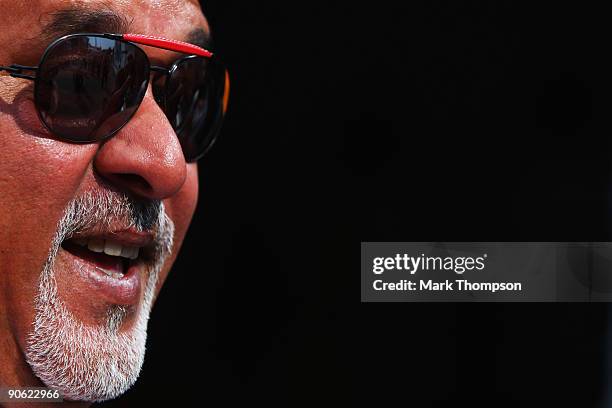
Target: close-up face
(89,227)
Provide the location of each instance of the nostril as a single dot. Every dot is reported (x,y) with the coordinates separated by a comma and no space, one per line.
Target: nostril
(133,181)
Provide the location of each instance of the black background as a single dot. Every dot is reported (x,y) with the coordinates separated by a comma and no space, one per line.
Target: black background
(387,121)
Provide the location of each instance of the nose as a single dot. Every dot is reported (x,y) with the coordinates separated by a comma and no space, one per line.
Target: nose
(145,156)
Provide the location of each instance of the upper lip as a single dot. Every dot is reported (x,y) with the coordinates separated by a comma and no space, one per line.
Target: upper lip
(126,237)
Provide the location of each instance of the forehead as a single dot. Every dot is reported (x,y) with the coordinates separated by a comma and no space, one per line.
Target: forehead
(27,37)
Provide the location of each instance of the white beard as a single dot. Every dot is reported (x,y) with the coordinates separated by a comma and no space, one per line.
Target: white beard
(91,363)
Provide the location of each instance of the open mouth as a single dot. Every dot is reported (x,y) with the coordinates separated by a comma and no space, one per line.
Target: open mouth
(111,265)
(107,255)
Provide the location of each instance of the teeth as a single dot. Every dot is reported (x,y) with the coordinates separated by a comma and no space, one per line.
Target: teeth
(112,248)
(109,247)
(96,245)
(129,252)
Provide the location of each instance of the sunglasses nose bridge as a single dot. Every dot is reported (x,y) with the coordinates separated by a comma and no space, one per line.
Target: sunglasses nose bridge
(158,77)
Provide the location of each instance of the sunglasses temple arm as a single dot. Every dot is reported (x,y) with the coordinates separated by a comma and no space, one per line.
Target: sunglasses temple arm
(15,70)
(163,43)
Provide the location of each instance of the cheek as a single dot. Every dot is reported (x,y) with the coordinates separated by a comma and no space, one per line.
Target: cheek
(38,176)
(19,107)
(37,172)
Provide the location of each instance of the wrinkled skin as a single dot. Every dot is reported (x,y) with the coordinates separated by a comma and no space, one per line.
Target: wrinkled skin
(39,174)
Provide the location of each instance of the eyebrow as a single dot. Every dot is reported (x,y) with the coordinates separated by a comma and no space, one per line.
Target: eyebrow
(83,20)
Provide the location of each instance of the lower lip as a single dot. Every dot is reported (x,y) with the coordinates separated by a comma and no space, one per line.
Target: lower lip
(120,291)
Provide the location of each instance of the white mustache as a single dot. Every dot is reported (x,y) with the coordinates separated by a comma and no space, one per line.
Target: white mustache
(105,210)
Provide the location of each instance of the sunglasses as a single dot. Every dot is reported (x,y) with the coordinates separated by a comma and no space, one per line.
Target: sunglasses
(88,86)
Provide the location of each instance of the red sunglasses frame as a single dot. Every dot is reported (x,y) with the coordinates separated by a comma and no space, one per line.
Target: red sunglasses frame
(160,42)
(15,70)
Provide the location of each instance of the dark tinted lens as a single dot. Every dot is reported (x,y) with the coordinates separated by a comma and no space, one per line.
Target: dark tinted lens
(88,87)
(195,103)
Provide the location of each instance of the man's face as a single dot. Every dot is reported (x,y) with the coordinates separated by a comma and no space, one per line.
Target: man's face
(62,304)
